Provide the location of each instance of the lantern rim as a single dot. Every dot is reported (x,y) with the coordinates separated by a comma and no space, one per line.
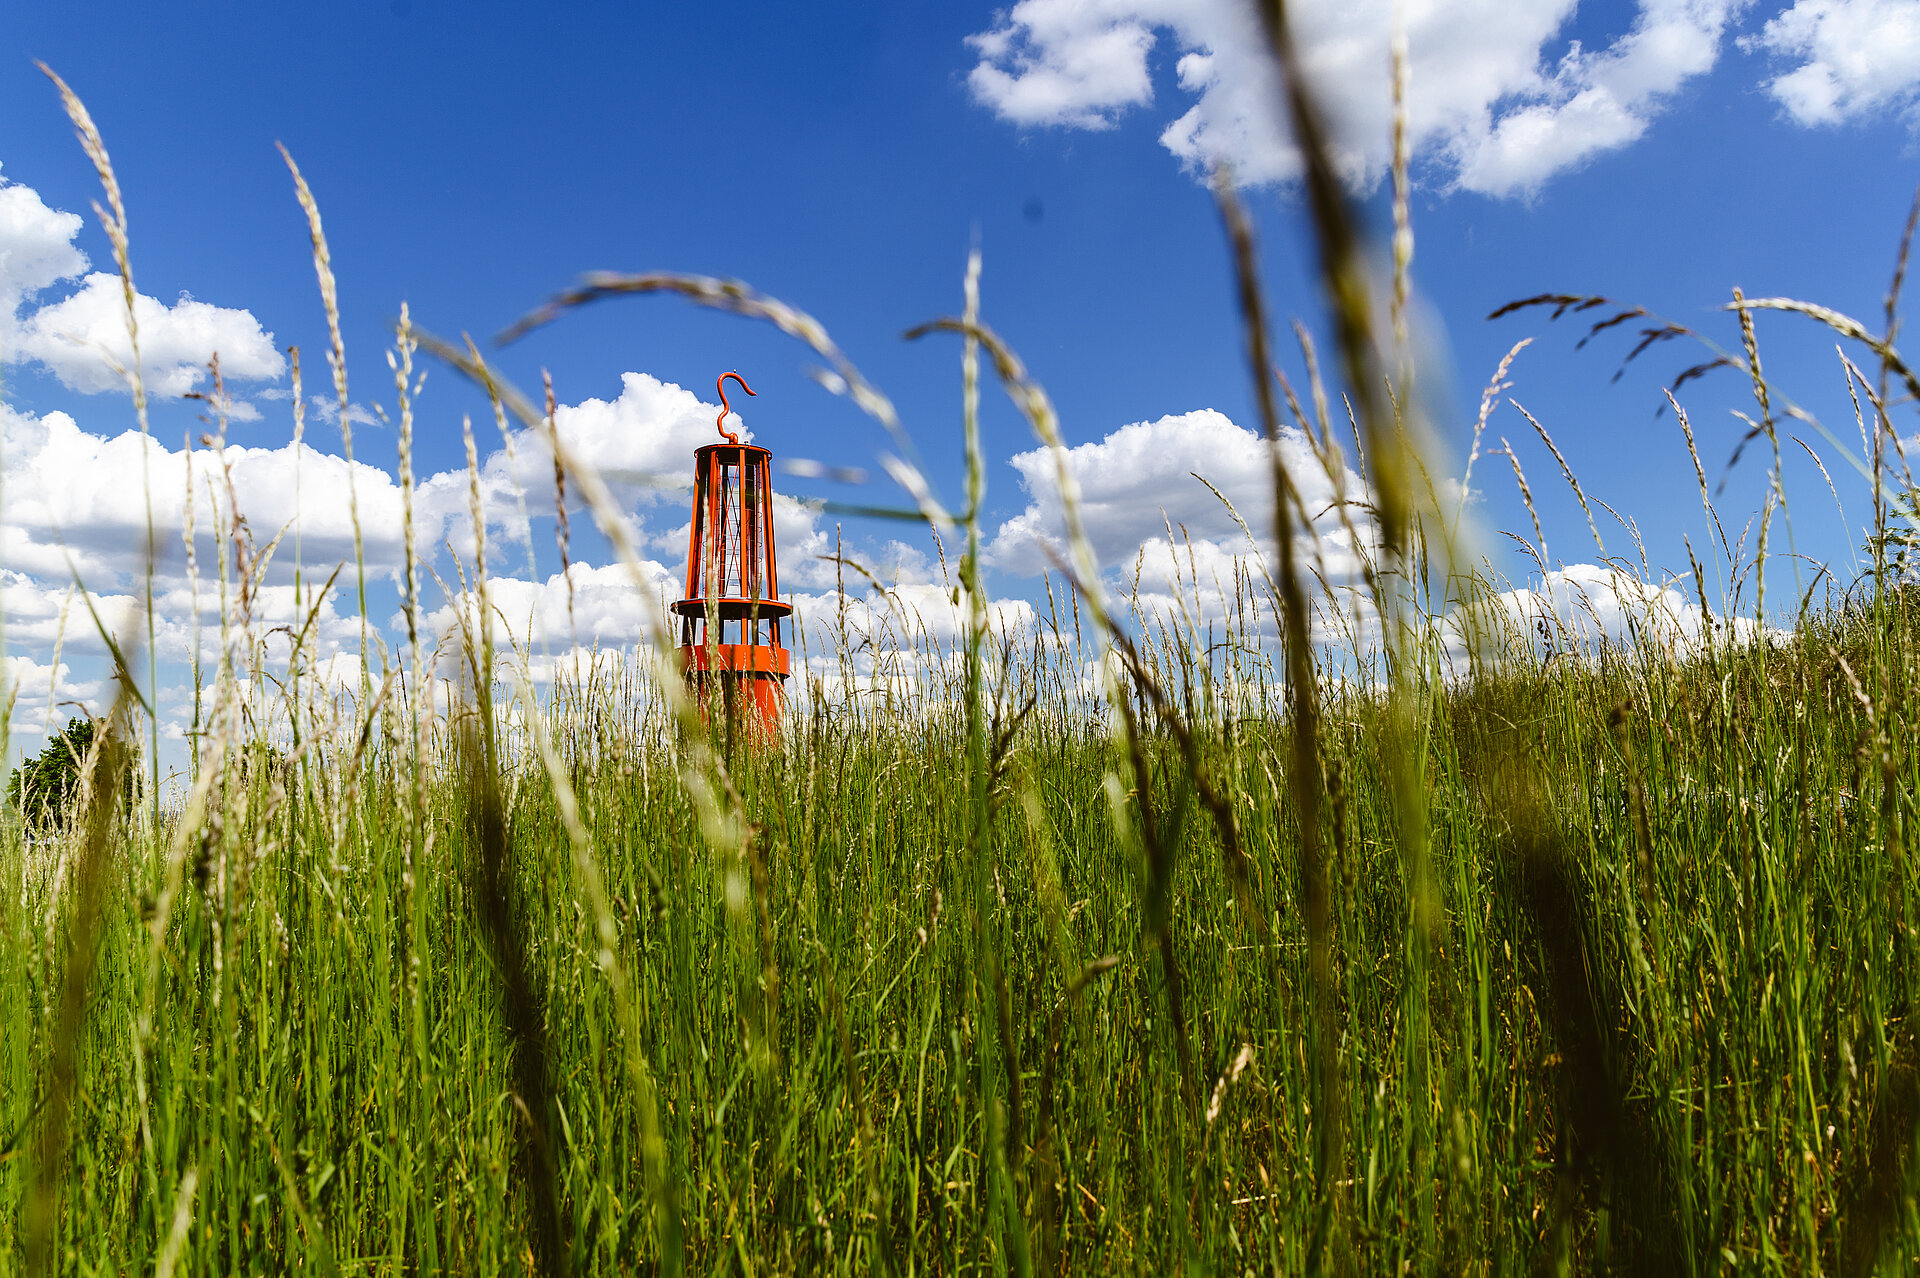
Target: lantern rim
(734,608)
(724,447)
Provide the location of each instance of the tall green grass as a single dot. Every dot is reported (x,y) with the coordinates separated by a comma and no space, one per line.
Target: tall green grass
(1125,941)
(1671,1003)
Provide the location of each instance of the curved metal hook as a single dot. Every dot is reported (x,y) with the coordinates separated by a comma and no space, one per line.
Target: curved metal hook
(719,423)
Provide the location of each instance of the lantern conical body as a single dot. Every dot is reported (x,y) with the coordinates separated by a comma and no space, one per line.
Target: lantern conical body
(730,641)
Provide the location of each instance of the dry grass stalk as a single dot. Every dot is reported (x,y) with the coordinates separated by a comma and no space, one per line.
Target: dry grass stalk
(562,529)
(337,361)
(113,220)
(1526,497)
(1573,481)
(1489,400)
(103,780)
(1402,73)
(1343,273)
(1302,674)
(1841,323)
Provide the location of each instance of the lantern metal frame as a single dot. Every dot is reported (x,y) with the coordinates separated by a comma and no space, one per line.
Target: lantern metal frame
(731,616)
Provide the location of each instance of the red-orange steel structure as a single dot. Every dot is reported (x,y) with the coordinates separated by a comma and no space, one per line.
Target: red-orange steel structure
(730,618)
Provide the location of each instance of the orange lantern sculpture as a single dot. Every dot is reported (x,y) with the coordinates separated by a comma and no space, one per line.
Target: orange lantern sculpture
(730,618)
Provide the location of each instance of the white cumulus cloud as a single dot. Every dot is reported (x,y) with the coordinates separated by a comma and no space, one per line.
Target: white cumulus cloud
(648,432)
(532,616)
(80,496)
(1855,57)
(1487,108)
(82,338)
(44,695)
(1139,482)
(36,249)
(1577,609)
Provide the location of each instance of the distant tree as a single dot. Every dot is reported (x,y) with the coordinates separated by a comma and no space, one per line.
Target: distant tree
(44,787)
(1903,553)
(1901,541)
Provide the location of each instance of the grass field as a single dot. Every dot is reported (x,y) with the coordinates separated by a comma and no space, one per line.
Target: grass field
(1103,945)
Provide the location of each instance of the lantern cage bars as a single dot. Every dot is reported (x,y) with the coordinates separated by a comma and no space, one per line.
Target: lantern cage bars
(731,615)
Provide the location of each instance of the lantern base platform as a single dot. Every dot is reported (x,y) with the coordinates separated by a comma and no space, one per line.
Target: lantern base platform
(751,659)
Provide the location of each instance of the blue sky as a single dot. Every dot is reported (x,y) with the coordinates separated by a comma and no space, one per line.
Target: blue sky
(471,160)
